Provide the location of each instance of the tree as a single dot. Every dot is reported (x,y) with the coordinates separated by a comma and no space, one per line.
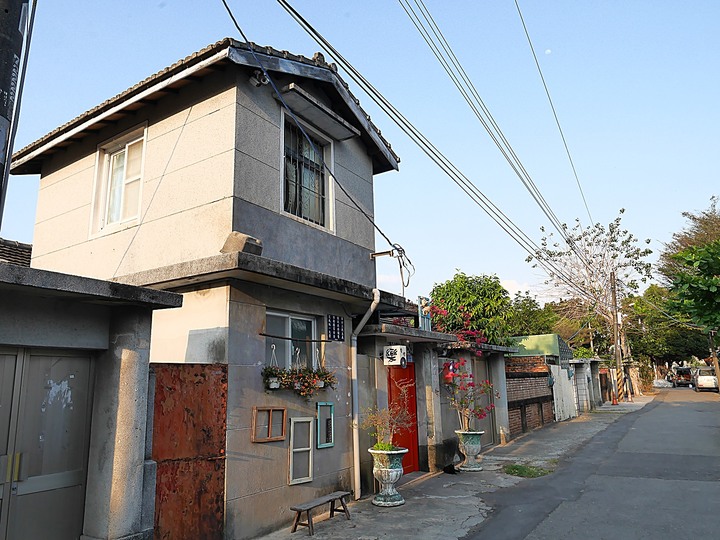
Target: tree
(702,228)
(698,283)
(475,308)
(697,287)
(528,318)
(656,333)
(582,267)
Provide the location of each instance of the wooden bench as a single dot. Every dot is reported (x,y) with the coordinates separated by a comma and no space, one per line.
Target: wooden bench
(308,507)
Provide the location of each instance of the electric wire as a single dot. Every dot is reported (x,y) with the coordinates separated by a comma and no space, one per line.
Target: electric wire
(406,265)
(435,155)
(459,76)
(552,106)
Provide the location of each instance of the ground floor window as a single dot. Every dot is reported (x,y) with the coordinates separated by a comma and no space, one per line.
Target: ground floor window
(301,455)
(294,340)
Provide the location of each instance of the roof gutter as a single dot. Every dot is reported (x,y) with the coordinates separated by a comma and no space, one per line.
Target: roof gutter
(354,392)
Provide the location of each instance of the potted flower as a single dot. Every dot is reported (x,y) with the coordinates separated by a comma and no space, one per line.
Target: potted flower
(383,424)
(271,376)
(465,398)
(325,378)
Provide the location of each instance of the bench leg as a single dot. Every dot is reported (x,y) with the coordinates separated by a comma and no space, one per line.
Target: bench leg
(296,522)
(345,508)
(310,523)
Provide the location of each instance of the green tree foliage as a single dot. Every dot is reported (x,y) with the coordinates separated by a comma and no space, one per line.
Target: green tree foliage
(702,228)
(657,334)
(697,285)
(475,308)
(528,318)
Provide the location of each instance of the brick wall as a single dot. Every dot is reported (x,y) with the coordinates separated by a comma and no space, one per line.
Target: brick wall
(533,415)
(515,415)
(527,387)
(526,364)
(548,413)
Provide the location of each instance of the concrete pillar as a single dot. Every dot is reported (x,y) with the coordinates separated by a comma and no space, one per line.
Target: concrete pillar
(119,476)
(496,366)
(428,375)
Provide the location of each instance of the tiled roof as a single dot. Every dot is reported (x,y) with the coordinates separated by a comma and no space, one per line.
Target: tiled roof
(175,69)
(15,252)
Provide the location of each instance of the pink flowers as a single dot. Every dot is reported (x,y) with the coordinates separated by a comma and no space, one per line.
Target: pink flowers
(467,395)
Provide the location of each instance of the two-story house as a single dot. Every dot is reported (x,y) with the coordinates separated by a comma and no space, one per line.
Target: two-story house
(241,177)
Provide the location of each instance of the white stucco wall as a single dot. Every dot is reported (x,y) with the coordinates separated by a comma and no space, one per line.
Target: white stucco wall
(186,197)
(196,333)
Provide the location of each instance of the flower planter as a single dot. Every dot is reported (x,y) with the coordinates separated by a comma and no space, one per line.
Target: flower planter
(469,447)
(387,470)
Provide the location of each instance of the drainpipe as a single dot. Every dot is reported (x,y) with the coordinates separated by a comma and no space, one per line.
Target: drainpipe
(354,390)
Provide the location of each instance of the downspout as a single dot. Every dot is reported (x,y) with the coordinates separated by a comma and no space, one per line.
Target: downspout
(354,391)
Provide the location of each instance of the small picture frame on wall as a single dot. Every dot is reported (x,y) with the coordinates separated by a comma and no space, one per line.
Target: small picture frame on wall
(325,424)
(268,424)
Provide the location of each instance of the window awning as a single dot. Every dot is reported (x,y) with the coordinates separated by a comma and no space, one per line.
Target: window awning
(310,109)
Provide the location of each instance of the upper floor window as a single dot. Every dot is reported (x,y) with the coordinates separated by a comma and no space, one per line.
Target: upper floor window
(305,186)
(119,180)
(293,338)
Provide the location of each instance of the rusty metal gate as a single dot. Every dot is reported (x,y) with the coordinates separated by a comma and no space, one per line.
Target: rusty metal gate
(45,408)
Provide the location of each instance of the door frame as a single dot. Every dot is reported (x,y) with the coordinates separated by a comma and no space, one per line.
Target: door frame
(12,466)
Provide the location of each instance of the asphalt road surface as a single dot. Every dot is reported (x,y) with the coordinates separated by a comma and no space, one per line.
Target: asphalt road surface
(653,474)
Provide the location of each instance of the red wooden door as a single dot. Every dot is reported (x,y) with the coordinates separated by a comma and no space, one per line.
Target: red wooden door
(407,438)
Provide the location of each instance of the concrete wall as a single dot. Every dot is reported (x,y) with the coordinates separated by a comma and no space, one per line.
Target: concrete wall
(342,247)
(186,200)
(213,164)
(198,332)
(258,496)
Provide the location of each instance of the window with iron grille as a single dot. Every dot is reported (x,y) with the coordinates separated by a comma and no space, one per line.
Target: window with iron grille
(304,176)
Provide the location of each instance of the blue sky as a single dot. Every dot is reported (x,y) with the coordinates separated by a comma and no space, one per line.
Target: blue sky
(634,84)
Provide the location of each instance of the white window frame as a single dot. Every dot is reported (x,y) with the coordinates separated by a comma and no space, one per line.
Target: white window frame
(101,196)
(287,361)
(292,451)
(328,153)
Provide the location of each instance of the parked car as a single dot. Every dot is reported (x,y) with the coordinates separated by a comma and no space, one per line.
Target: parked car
(704,379)
(683,377)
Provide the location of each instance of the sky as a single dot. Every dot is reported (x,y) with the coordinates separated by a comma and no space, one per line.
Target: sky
(634,85)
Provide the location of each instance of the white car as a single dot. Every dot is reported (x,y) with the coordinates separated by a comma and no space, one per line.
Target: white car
(705,379)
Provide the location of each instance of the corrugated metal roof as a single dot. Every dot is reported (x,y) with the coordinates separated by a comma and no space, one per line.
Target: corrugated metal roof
(543,345)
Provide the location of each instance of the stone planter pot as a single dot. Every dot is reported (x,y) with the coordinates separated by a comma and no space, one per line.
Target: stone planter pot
(273,383)
(469,447)
(387,470)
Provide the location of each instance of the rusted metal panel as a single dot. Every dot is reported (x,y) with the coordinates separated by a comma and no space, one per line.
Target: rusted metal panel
(190,500)
(189,446)
(190,411)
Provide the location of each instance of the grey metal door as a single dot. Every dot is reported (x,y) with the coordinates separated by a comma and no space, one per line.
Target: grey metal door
(45,407)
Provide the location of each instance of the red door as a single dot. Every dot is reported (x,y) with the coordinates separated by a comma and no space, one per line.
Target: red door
(407,438)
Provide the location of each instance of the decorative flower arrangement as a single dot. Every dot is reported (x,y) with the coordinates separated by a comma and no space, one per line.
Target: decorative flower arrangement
(304,382)
(326,378)
(384,423)
(466,394)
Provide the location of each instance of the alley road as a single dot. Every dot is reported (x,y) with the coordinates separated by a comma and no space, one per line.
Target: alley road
(653,474)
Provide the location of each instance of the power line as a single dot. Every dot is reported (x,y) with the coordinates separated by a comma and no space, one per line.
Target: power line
(552,106)
(435,155)
(442,50)
(405,264)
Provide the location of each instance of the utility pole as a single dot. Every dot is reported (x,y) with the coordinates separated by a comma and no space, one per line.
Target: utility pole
(616,334)
(13,21)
